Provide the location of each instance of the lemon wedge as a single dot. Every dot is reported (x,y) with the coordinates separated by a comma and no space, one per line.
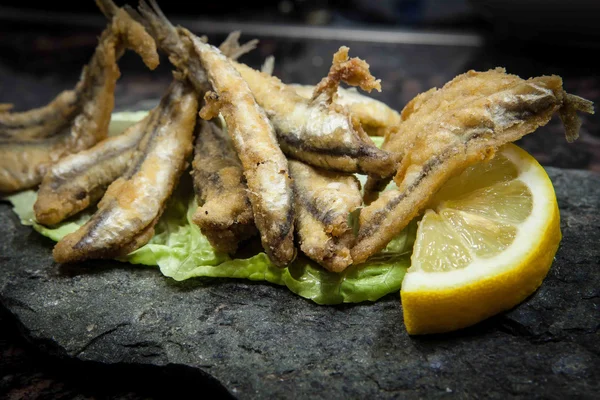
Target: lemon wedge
(484,244)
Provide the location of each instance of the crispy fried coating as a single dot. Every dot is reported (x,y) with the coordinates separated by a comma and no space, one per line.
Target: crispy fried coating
(253,136)
(224,214)
(32,141)
(131,34)
(79,180)
(501,108)
(324,200)
(133,203)
(318,131)
(375,117)
(430,105)
(40,122)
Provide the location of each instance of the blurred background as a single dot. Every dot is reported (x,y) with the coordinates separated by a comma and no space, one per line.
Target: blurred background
(534,19)
(411,45)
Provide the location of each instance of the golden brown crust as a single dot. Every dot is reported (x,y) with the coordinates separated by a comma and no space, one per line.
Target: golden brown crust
(456,126)
(76,120)
(265,166)
(316,131)
(133,203)
(430,106)
(79,180)
(324,200)
(224,214)
(353,71)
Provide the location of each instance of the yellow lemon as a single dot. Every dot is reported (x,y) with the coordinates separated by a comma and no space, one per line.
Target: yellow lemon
(485,243)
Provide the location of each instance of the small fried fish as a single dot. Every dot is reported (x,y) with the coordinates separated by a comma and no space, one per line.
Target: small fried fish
(133,203)
(455,134)
(375,117)
(224,214)
(40,122)
(253,136)
(32,141)
(324,201)
(79,180)
(227,222)
(317,131)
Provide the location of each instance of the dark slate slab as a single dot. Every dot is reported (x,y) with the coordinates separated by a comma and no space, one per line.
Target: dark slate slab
(259,340)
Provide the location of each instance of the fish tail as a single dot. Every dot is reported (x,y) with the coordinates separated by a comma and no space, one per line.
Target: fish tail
(155,21)
(353,71)
(154,10)
(568,114)
(231,46)
(107,7)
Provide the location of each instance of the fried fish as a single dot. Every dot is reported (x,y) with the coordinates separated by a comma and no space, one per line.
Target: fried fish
(224,214)
(32,141)
(375,117)
(133,203)
(265,166)
(317,131)
(79,180)
(455,133)
(40,122)
(324,201)
(253,136)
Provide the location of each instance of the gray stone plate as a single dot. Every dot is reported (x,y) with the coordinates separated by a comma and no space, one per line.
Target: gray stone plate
(260,340)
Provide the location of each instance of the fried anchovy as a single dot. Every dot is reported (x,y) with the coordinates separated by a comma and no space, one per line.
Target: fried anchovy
(224,214)
(324,200)
(253,136)
(431,105)
(49,120)
(461,135)
(317,131)
(133,203)
(375,117)
(76,120)
(40,122)
(79,180)
(178,44)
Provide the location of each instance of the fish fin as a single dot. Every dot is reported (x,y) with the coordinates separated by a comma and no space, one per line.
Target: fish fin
(155,20)
(353,71)
(232,48)
(135,15)
(268,66)
(568,114)
(154,11)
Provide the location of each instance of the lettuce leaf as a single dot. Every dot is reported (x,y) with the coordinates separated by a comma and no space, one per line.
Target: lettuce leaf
(181,252)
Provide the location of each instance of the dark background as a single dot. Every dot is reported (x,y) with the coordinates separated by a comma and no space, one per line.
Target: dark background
(412,45)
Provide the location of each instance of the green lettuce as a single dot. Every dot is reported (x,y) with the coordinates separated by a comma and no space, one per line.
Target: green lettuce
(181,252)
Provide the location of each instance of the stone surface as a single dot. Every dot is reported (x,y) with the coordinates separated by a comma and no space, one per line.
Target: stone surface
(260,340)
